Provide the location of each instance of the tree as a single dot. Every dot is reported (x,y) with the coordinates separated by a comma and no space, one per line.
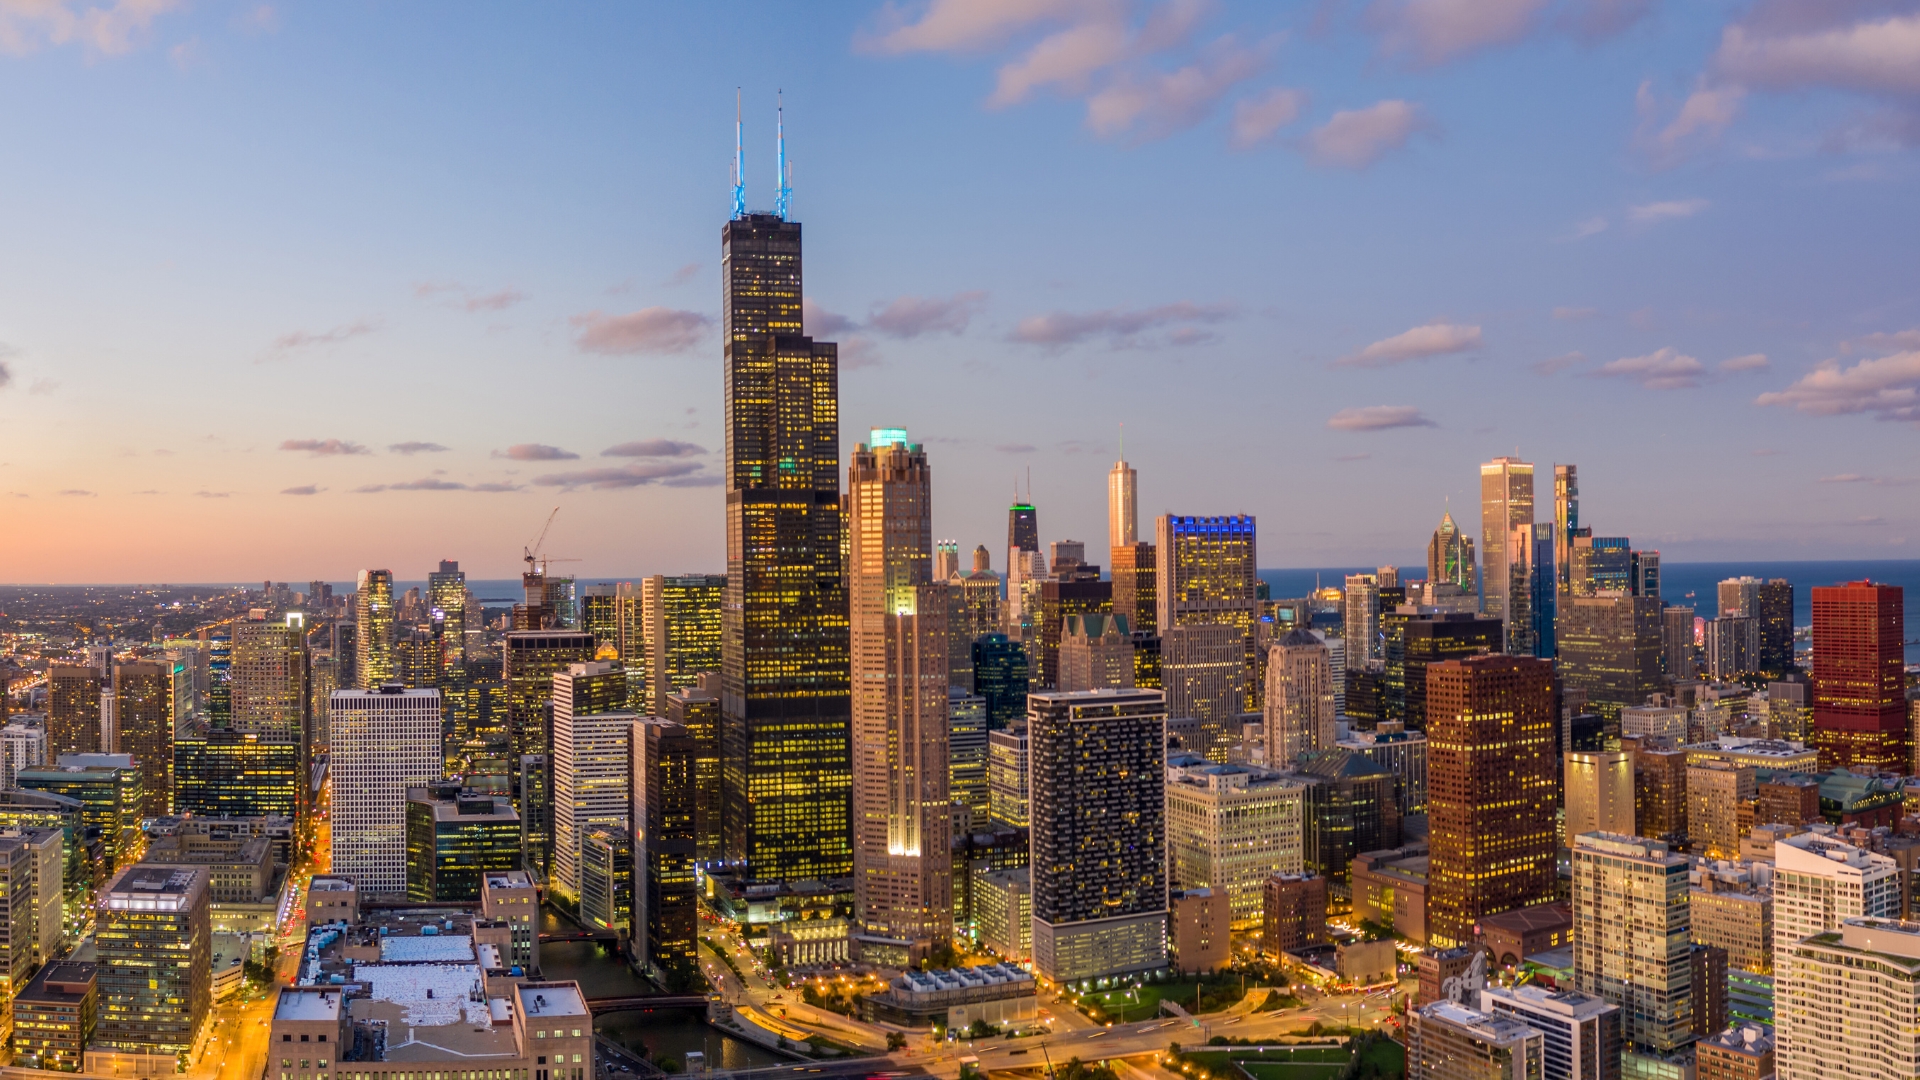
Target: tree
(1075,1069)
(896,1041)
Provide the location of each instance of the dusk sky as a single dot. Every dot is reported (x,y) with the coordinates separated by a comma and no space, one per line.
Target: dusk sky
(291,290)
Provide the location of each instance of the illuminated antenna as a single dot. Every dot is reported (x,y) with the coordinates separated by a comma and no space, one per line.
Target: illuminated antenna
(784,201)
(739,163)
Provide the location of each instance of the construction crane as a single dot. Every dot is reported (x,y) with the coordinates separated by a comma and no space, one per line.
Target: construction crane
(531,553)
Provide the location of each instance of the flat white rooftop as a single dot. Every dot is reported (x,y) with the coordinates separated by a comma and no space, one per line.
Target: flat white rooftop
(545,1000)
(441,948)
(307,1003)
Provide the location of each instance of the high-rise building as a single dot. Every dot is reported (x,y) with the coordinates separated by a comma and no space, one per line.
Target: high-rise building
(1818,884)
(1098,805)
(1715,790)
(1581,1032)
(1298,711)
(1096,653)
(1566,523)
(155,947)
(54,1017)
(1293,912)
(447,595)
(1135,576)
(785,721)
(600,616)
(1646,574)
(1850,1002)
(1859,693)
(1230,828)
(226,772)
(1023,527)
(606,879)
(530,660)
(1360,619)
(1203,673)
(1599,792)
(1491,790)
(1676,642)
(73,709)
(591,754)
(666,902)
(1450,556)
(1436,638)
(1000,676)
(967,760)
(384,741)
(1450,1041)
(1506,500)
(19,922)
(1773,609)
(1631,938)
(268,676)
(1060,600)
(455,837)
(23,745)
(1731,647)
(1123,514)
(1007,765)
(1208,575)
(684,627)
(143,722)
(1610,648)
(1351,809)
(698,710)
(1738,596)
(373,638)
(973,611)
(902,812)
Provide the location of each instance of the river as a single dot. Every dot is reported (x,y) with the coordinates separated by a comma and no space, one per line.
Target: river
(665,1034)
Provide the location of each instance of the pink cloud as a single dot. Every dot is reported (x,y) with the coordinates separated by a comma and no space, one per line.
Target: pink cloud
(649,330)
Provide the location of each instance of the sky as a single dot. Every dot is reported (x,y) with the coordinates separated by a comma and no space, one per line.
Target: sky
(291,290)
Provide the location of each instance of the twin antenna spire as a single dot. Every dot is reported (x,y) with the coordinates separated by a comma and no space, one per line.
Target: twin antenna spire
(783,199)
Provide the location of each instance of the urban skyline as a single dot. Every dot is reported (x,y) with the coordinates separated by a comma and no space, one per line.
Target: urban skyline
(1689,210)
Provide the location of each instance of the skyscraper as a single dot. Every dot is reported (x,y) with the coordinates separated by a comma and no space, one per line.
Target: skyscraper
(530,660)
(268,676)
(666,900)
(1566,523)
(73,710)
(1450,555)
(1599,792)
(1299,713)
(1432,639)
(1774,611)
(1491,789)
(1135,576)
(1506,500)
(374,630)
(447,594)
(1859,693)
(1610,647)
(1123,515)
(1632,939)
(684,632)
(1098,803)
(903,886)
(143,718)
(156,961)
(1023,526)
(787,768)
(1000,676)
(1360,616)
(1207,576)
(384,741)
(1849,1003)
(591,753)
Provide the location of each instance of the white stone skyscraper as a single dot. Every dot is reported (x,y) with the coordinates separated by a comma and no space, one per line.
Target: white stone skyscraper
(902,817)
(1123,512)
(1506,500)
(384,740)
(591,762)
(1299,703)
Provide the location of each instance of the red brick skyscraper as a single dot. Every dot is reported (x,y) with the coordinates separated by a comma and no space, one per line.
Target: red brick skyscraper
(1859,696)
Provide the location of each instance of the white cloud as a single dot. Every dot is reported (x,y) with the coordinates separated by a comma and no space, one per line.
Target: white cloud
(1887,388)
(1435,31)
(1356,138)
(649,330)
(965,25)
(1700,120)
(111,28)
(1378,418)
(1649,213)
(1749,362)
(911,316)
(1256,119)
(653,448)
(1878,57)
(1663,369)
(535,452)
(1433,339)
(1592,226)
(1153,104)
(1555,364)
(325,447)
(822,323)
(1121,326)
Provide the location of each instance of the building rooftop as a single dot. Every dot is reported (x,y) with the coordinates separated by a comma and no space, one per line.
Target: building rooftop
(1499,1029)
(427,948)
(60,982)
(510,879)
(308,1003)
(429,995)
(1527,920)
(155,887)
(550,999)
(1566,1002)
(1750,1039)
(331,884)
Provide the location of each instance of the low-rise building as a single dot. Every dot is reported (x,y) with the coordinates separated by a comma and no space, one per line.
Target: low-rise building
(1003,911)
(1512,936)
(401,1021)
(239,870)
(1775,755)
(1294,913)
(332,899)
(1367,963)
(1743,1052)
(1390,890)
(1201,932)
(999,994)
(53,1017)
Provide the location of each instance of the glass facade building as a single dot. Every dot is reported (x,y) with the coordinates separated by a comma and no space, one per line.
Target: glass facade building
(455,837)
(237,773)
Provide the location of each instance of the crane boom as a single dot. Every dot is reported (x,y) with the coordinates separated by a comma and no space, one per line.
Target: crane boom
(532,551)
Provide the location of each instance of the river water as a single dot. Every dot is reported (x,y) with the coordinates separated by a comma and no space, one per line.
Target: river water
(669,1033)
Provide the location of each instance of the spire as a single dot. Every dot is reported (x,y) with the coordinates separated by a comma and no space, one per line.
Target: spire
(783,203)
(739,163)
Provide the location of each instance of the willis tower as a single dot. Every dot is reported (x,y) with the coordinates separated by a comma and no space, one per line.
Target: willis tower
(787,770)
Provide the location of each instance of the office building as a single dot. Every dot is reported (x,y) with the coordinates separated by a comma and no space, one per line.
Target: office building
(967,761)
(447,608)
(1096,653)
(1850,1001)
(1000,676)
(1230,828)
(1790,708)
(1506,500)
(666,904)
(511,898)
(267,676)
(1203,675)
(23,745)
(1731,647)
(1737,918)
(1491,790)
(1350,809)
(1610,648)
(606,880)
(1450,1041)
(1123,513)
(155,973)
(1023,527)
(1660,793)
(902,821)
(1599,792)
(1135,573)
(600,616)
(1450,556)
(1437,638)
(1207,576)
(1298,710)
(1293,913)
(1566,524)
(785,712)
(1677,648)
(1197,919)
(1399,752)
(233,773)
(530,658)
(1007,776)
(698,710)
(47,850)
(1003,911)
(455,837)
(1715,790)
(1859,694)
(1062,598)
(683,633)
(1098,804)
(1360,620)
(1707,971)
(384,742)
(1581,1032)
(143,727)
(1773,611)
(1631,938)
(374,630)
(590,757)
(108,791)
(54,1017)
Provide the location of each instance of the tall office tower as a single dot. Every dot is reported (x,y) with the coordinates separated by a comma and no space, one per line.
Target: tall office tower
(1676,642)
(1491,790)
(629,614)
(1632,939)
(1208,575)
(1203,673)
(1350,810)
(946,559)
(1715,790)
(1849,1003)
(1599,794)
(1859,699)
(1069,558)
(1731,647)
(1007,766)
(155,964)
(1601,564)
(1096,653)
(1566,523)
(606,880)
(1790,707)
(1123,512)
(784,706)
(590,756)
(1360,621)
(1450,1041)
(73,709)
(698,710)
(1581,1032)
(1432,639)
(19,921)
(1450,555)
(1646,574)
(531,658)
(143,718)
(600,616)
(1506,500)
(973,611)
(1542,594)
(1023,527)
(1298,711)
(967,762)
(1135,579)
(224,772)
(685,629)
(1000,676)
(1098,803)
(268,676)
(447,594)
(1522,597)
(666,900)
(374,635)
(1062,599)
(455,838)
(384,741)
(1773,609)
(902,813)
(1739,595)
(1610,648)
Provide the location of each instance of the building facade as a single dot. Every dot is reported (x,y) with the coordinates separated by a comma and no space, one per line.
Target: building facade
(1859,691)
(384,741)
